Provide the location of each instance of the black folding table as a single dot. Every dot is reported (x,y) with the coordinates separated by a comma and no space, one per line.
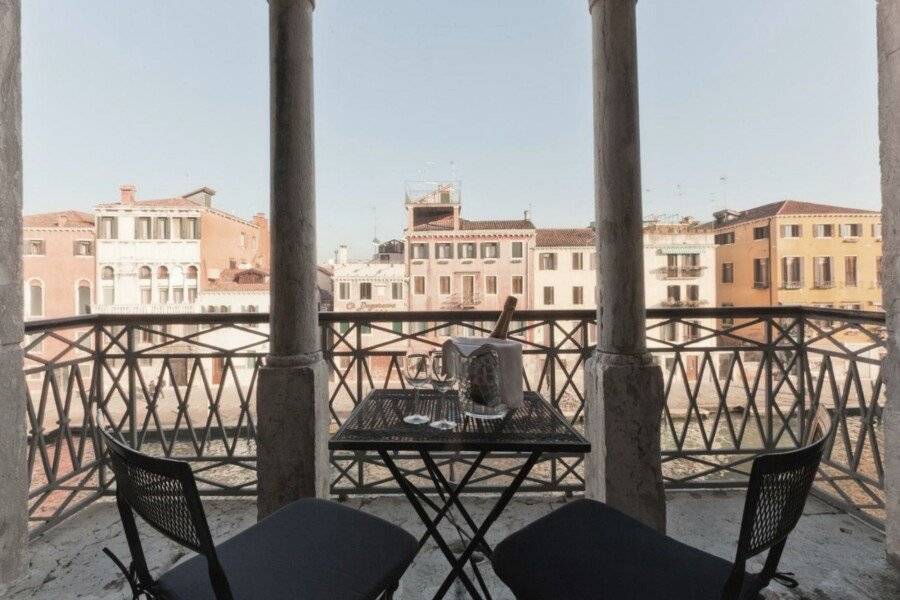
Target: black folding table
(376,425)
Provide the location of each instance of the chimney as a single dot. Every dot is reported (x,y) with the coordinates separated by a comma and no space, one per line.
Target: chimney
(340,255)
(527,215)
(127,193)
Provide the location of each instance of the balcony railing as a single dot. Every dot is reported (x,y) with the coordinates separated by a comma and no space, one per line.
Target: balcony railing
(683,272)
(185,386)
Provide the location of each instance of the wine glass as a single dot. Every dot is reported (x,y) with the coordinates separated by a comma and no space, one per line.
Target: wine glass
(442,380)
(415,371)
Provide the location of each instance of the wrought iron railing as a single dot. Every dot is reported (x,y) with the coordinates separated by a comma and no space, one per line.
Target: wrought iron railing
(739,381)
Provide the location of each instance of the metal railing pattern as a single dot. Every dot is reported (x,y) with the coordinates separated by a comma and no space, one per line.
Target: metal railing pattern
(738,381)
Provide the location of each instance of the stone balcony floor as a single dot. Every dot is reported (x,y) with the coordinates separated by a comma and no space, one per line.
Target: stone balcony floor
(833,555)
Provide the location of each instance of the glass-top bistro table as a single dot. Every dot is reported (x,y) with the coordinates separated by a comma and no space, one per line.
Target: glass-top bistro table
(376,425)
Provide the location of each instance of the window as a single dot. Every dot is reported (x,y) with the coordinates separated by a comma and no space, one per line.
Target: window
(419,251)
(761,233)
(727,272)
(823,230)
(365,329)
(418,284)
(850,279)
(162,272)
(443,251)
(670,333)
(84,298)
(365,291)
(727,321)
(162,229)
(517,250)
(693,293)
(34,248)
(145,273)
(490,284)
(192,272)
(792,272)
(876,230)
(548,295)
(192,294)
(343,327)
(397,326)
(724,238)
(146,297)
(466,250)
(35,299)
(243,241)
(878,270)
(164,295)
(518,284)
(851,230)
(343,290)
(673,294)
(190,228)
(577,261)
(397,291)
(791,231)
(178,296)
(547,261)
(490,250)
(445,284)
(109,295)
(692,330)
(823,275)
(108,228)
(107,273)
(142,228)
(83,248)
(577,295)
(760,272)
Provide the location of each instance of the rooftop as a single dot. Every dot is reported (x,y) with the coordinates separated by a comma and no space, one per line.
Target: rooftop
(785,207)
(579,236)
(832,555)
(64,218)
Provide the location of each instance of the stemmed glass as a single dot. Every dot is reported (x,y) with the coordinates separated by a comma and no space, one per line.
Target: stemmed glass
(415,371)
(442,380)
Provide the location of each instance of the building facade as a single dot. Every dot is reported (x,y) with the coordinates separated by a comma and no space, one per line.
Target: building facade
(460,264)
(158,255)
(792,253)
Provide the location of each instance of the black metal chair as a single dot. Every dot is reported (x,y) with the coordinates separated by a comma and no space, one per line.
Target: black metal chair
(586,550)
(310,549)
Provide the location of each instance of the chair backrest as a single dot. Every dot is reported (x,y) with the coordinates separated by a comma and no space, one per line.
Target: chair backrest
(779,485)
(164,493)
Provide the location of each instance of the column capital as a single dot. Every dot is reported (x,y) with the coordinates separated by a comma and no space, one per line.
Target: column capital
(312,3)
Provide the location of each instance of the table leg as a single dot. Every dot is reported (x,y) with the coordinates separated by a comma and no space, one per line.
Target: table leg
(410,493)
(488,521)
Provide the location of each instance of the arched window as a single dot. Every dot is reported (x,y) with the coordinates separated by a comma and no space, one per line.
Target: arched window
(107,273)
(84,297)
(145,273)
(162,272)
(192,272)
(35,298)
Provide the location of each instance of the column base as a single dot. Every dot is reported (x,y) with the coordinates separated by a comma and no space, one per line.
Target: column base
(13,471)
(292,447)
(625,397)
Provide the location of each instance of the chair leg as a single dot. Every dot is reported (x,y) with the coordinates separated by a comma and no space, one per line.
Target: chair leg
(389,593)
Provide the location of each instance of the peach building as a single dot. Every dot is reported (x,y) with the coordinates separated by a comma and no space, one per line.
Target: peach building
(58,268)
(792,253)
(158,255)
(460,264)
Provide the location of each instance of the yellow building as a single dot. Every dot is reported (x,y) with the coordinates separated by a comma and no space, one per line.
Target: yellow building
(790,253)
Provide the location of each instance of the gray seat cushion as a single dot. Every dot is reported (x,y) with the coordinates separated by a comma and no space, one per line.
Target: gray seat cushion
(586,550)
(308,550)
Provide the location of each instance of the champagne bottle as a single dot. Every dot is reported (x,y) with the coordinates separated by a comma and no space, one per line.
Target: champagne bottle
(501,329)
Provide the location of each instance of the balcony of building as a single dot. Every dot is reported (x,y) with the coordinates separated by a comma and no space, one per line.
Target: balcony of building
(731,393)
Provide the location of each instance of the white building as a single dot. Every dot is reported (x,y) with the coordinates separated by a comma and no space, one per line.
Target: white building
(156,256)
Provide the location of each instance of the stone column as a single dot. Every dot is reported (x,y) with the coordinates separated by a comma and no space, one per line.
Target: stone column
(889,134)
(292,399)
(13,467)
(624,389)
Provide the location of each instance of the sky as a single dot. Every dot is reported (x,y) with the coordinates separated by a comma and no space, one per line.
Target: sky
(741,103)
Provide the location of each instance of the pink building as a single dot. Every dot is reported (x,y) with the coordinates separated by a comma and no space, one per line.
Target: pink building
(459,264)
